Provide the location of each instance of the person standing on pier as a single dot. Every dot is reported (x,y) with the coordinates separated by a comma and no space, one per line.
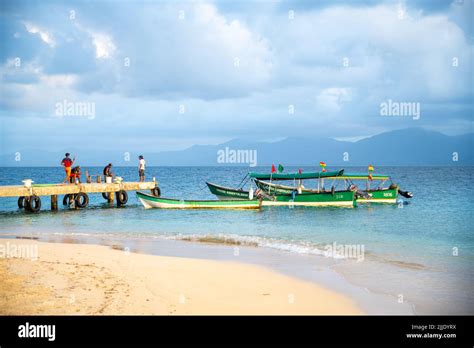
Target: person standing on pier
(141,168)
(67,162)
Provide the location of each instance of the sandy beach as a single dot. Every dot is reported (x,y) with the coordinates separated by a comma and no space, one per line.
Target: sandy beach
(93,279)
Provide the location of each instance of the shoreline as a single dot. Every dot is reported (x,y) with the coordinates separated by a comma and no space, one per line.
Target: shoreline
(315,269)
(97,279)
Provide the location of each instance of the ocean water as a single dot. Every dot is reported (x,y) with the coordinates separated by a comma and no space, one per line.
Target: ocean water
(420,251)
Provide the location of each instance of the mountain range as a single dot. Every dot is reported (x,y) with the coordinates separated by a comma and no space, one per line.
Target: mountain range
(411,146)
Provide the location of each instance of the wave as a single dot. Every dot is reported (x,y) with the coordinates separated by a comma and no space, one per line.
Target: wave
(299,247)
(292,246)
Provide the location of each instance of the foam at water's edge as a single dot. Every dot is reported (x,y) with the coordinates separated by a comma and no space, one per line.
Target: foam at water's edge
(254,241)
(292,246)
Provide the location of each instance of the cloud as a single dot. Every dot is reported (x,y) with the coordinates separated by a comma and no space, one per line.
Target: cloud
(234,68)
(45,36)
(331,99)
(104,45)
(386,54)
(201,54)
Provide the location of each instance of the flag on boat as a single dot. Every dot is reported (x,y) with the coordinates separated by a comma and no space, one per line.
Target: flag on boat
(323,166)
(273,168)
(300,171)
(280,168)
(370,169)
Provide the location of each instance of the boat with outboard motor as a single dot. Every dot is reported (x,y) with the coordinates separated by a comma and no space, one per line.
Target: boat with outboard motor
(272,190)
(271,194)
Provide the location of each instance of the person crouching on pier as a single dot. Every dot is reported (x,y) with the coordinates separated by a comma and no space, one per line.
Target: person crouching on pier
(67,163)
(108,172)
(76,175)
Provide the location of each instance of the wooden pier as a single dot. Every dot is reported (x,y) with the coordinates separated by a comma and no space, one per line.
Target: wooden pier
(75,195)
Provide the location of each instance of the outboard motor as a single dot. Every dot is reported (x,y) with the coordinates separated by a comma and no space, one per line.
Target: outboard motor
(405,194)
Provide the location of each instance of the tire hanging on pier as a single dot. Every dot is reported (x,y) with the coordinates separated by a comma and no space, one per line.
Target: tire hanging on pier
(82,200)
(32,204)
(105,196)
(21,202)
(67,199)
(122,197)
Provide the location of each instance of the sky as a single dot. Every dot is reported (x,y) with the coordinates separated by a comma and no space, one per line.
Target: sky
(162,75)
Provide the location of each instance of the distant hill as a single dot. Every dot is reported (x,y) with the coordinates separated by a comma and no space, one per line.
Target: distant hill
(412,146)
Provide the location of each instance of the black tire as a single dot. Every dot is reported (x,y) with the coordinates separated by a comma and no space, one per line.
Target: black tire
(105,196)
(122,197)
(66,199)
(33,204)
(156,192)
(21,202)
(82,200)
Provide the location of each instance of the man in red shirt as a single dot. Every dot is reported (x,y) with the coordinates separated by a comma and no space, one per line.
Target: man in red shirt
(67,163)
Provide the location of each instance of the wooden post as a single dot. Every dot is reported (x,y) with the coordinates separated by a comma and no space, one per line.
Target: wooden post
(111,197)
(54,202)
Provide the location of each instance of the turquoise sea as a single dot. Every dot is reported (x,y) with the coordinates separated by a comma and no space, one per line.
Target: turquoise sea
(419,252)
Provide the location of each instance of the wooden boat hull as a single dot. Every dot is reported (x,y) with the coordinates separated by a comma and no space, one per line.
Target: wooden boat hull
(286,198)
(150,201)
(380,196)
(385,195)
(227,193)
(339,199)
(285,195)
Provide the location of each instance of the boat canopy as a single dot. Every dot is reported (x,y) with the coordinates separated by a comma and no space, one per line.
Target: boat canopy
(363,176)
(292,176)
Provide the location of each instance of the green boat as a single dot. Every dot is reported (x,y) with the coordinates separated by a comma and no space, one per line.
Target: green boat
(379,194)
(150,201)
(337,198)
(227,193)
(273,194)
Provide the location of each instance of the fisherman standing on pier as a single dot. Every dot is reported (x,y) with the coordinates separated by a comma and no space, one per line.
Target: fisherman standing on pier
(141,168)
(67,163)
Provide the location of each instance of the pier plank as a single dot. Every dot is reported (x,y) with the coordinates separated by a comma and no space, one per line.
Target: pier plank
(63,189)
